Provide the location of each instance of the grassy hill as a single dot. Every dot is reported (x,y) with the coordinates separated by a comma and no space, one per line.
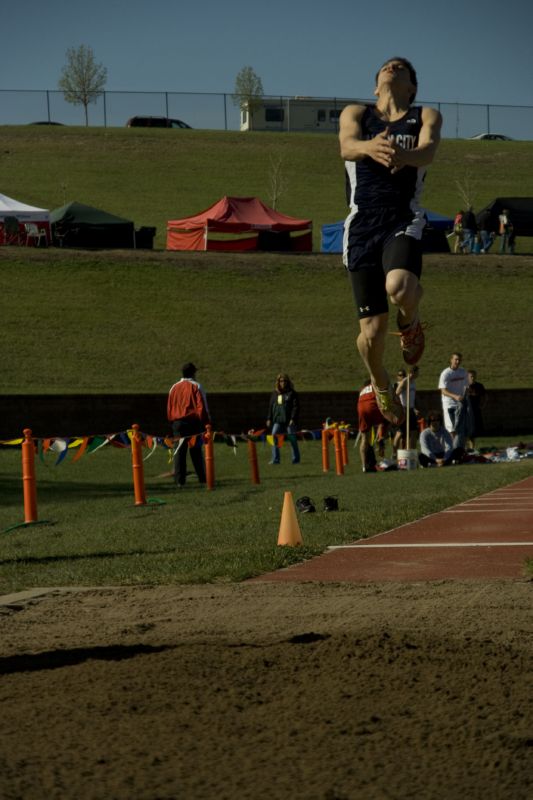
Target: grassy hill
(124,321)
(151,175)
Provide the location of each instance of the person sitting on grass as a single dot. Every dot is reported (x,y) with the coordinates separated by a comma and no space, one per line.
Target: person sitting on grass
(436,444)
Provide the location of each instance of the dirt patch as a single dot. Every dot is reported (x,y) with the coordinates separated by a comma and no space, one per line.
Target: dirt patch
(330,691)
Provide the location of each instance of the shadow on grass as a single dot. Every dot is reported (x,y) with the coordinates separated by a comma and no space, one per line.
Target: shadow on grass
(82,556)
(55,659)
(12,490)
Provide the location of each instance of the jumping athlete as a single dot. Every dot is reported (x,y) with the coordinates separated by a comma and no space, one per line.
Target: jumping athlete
(386,148)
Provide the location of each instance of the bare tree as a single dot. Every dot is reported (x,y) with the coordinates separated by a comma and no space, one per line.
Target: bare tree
(277,178)
(82,79)
(248,91)
(466,189)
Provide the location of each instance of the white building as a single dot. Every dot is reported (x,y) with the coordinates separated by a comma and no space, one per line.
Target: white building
(294,114)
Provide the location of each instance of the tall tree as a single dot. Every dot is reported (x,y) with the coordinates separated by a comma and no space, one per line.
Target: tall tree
(248,91)
(82,79)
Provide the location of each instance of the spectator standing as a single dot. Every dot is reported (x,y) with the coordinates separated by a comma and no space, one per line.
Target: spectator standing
(395,430)
(486,231)
(400,439)
(477,395)
(506,231)
(453,384)
(469,230)
(283,416)
(476,247)
(458,230)
(188,412)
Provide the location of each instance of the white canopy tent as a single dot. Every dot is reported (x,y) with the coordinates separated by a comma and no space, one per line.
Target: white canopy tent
(24,214)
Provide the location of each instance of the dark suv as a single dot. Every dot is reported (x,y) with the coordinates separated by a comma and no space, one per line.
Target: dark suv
(156,122)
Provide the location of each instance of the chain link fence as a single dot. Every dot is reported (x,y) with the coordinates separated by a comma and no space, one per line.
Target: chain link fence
(217,111)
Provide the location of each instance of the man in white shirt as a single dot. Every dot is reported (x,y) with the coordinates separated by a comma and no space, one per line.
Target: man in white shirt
(453,383)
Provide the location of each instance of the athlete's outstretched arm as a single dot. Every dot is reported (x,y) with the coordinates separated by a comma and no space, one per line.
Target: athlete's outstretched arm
(354,147)
(428,141)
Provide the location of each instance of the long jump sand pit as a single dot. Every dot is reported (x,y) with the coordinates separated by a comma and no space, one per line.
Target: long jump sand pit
(333,691)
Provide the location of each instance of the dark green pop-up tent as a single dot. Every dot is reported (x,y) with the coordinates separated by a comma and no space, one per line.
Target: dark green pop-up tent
(77,225)
(520,211)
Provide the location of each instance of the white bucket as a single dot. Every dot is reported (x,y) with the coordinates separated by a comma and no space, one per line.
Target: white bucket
(407,459)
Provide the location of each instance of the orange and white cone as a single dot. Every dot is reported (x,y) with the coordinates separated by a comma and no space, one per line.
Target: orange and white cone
(289,528)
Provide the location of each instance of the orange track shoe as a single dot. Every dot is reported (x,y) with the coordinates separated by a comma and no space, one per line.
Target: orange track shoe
(412,342)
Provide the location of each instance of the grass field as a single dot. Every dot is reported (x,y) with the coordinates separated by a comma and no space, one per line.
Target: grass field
(124,322)
(98,536)
(152,176)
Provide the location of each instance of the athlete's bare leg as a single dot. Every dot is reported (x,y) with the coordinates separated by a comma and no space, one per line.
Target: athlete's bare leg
(405,292)
(363,444)
(371,346)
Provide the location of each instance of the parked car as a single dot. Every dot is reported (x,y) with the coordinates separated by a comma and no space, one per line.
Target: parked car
(156,122)
(495,137)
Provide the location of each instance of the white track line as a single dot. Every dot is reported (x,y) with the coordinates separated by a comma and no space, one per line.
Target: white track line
(486,510)
(502,498)
(508,492)
(505,498)
(429,544)
(511,488)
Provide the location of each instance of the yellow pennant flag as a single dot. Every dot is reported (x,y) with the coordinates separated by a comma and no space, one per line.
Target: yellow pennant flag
(83,448)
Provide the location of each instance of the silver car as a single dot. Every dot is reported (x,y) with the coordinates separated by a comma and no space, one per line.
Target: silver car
(494,137)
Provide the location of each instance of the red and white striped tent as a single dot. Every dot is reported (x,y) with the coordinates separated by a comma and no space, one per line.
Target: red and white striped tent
(24,214)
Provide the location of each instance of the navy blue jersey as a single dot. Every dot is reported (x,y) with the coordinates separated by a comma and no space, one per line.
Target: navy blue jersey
(369,184)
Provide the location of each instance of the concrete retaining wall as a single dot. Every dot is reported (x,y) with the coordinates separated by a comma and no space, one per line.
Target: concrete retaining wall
(508,411)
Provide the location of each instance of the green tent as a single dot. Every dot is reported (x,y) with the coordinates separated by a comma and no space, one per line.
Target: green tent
(77,225)
(520,210)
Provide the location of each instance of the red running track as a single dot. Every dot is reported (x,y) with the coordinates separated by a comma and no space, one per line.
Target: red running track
(490,536)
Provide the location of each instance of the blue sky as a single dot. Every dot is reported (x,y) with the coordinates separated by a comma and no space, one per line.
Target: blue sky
(465,52)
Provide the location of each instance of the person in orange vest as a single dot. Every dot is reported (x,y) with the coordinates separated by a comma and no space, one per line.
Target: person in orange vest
(188,412)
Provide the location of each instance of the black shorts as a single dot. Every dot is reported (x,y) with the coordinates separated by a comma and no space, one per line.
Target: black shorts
(378,241)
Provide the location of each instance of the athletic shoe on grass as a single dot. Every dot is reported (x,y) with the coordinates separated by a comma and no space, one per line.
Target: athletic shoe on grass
(412,342)
(389,405)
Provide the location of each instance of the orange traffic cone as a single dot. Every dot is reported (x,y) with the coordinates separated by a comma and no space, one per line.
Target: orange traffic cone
(289,529)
